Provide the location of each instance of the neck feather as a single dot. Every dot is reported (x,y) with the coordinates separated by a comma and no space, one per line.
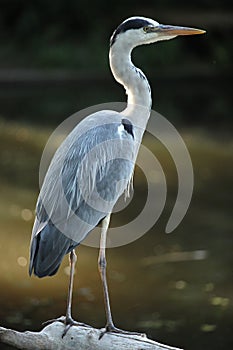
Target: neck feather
(132,78)
(135,83)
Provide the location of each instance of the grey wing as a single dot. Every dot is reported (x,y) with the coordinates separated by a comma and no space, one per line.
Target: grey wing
(87,175)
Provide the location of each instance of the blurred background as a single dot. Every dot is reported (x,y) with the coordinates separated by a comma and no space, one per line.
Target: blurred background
(53,62)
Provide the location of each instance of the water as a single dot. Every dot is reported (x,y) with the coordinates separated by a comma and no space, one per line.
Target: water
(177,288)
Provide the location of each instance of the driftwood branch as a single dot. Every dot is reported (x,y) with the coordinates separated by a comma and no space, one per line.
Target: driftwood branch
(80,338)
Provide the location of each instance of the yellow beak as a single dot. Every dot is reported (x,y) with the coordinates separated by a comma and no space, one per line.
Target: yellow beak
(177,30)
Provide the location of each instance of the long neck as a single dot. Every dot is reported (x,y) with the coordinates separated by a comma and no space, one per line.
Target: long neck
(135,83)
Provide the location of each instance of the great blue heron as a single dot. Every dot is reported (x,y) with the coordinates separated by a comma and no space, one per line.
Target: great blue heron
(88,182)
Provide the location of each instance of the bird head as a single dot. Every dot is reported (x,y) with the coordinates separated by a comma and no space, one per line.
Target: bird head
(136,31)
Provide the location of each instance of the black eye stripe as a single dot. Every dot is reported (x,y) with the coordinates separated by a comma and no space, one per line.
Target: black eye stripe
(135,23)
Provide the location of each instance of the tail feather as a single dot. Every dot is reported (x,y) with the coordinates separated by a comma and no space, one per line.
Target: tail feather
(48,248)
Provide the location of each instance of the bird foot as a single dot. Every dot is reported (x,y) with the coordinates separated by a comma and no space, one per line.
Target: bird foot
(113,329)
(68,322)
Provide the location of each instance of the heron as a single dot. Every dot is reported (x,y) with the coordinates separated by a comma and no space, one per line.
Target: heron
(79,191)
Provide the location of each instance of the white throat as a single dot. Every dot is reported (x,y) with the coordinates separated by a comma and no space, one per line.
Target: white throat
(135,83)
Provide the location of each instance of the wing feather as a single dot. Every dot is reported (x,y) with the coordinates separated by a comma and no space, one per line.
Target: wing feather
(88,173)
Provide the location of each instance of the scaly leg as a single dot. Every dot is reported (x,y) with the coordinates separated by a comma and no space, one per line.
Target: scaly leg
(68,320)
(102,263)
(102,269)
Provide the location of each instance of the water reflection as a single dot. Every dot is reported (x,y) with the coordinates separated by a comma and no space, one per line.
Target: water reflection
(177,288)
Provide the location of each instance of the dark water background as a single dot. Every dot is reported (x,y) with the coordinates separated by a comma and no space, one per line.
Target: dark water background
(177,288)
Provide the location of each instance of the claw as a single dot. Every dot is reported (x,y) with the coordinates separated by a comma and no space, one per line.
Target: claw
(61,319)
(113,329)
(68,322)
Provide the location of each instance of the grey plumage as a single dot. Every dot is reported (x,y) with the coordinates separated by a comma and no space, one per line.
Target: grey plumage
(95,164)
(71,177)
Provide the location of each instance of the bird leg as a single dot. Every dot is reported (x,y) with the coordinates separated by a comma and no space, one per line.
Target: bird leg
(68,320)
(102,263)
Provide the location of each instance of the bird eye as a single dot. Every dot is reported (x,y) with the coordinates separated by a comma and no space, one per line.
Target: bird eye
(146,29)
